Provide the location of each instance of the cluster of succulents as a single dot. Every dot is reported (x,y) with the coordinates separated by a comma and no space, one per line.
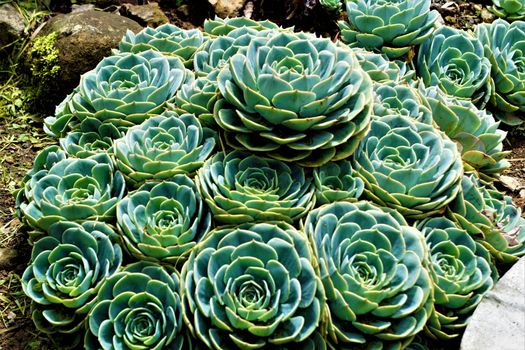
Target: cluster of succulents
(248,187)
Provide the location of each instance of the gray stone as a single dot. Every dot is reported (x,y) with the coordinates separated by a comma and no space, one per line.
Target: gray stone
(150,15)
(499,320)
(11,24)
(227,8)
(7,257)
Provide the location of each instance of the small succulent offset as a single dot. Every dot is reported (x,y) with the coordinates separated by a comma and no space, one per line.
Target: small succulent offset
(198,98)
(511,10)
(462,272)
(383,70)
(296,98)
(389,27)
(337,182)
(162,147)
(491,217)
(504,44)
(139,307)
(409,166)
(453,60)
(123,90)
(372,265)
(332,5)
(163,221)
(399,99)
(218,26)
(252,287)
(86,144)
(240,187)
(66,271)
(168,39)
(73,190)
(475,130)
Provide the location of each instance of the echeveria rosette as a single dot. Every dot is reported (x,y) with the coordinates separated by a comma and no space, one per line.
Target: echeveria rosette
(383,70)
(453,60)
(462,272)
(240,187)
(491,217)
(389,27)
(400,99)
(73,190)
(124,90)
(219,27)
(409,166)
(67,268)
(163,221)
(198,98)
(162,147)
(86,144)
(331,5)
(296,98)
(373,268)
(139,307)
(251,287)
(337,182)
(511,10)
(505,48)
(168,39)
(475,130)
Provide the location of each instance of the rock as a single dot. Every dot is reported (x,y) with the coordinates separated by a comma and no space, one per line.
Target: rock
(11,24)
(499,320)
(7,257)
(80,40)
(487,16)
(512,183)
(227,8)
(149,15)
(79,8)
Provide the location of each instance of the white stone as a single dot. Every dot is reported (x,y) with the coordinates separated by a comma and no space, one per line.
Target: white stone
(227,8)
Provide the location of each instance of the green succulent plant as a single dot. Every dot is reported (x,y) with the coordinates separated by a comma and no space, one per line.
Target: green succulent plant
(337,182)
(389,27)
(503,44)
(86,144)
(163,221)
(491,217)
(138,308)
(66,271)
(511,10)
(409,166)
(198,98)
(453,60)
(219,27)
(241,187)
(475,130)
(332,5)
(382,70)
(168,39)
(123,90)
(462,272)
(400,99)
(162,147)
(296,98)
(252,287)
(73,190)
(372,265)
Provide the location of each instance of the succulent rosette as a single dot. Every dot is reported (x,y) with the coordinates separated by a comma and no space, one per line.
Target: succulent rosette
(168,39)
(219,27)
(491,217)
(139,307)
(251,287)
(294,97)
(239,187)
(337,182)
(409,166)
(332,5)
(86,144)
(163,221)
(162,147)
(399,99)
(66,271)
(504,47)
(124,90)
(511,10)
(462,272)
(453,60)
(198,98)
(389,27)
(73,190)
(475,130)
(381,69)
(372,265)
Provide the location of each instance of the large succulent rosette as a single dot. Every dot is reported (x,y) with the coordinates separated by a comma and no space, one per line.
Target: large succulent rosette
(372,265)
(240,187)
(400,99)
(390,27)
(86,144)
(66,271)
(252,287)
(462,272)
(219,26)
(409,166)
(294,97)
(163,221)
(504,47)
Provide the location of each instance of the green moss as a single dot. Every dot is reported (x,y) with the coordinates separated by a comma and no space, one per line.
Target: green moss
(43,54)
